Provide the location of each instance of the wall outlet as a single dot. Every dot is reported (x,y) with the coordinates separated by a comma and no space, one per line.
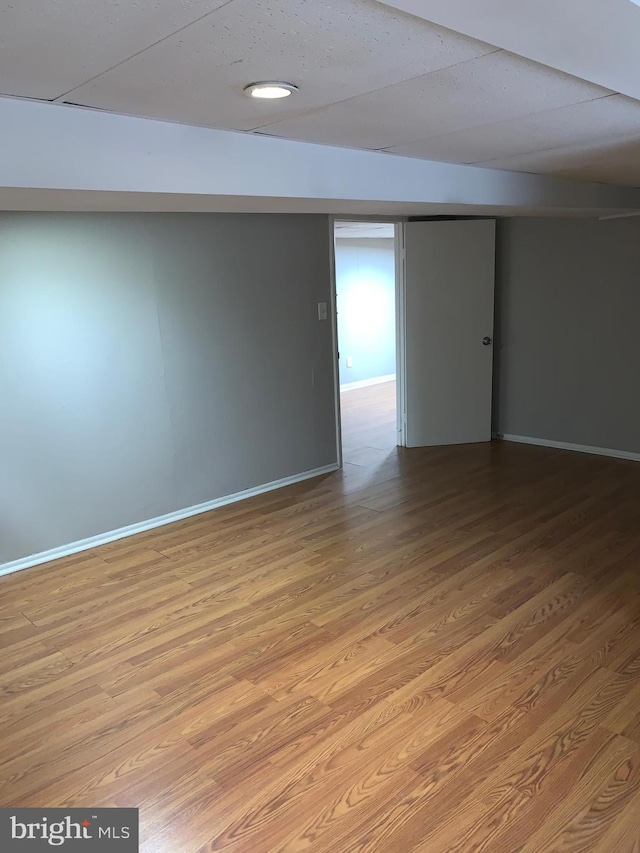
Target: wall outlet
(349,361)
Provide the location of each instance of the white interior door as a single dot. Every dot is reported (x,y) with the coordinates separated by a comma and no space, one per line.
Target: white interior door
(448,342)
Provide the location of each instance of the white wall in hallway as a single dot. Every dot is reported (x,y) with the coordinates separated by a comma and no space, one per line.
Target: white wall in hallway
(365,284)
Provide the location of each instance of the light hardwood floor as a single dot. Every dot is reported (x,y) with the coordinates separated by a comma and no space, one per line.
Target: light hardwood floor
(434,650)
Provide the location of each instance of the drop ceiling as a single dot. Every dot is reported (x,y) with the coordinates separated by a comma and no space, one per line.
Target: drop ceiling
(370,75)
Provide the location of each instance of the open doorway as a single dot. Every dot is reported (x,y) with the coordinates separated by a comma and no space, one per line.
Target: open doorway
(366,272)
(441,302)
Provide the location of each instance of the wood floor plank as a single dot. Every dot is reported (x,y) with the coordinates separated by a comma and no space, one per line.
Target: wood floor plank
(592,807)
(435,649)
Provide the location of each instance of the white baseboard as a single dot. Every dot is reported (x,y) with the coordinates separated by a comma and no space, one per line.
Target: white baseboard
(159,521)
(580,448)
(365,383)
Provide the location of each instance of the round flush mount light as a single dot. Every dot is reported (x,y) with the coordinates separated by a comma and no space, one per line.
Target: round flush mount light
(270,90)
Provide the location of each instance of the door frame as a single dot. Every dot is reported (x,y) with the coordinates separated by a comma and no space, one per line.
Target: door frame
(401,325)
(401,409)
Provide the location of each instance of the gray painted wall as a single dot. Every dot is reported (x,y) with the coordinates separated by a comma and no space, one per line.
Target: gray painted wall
(568,331)
(149,363)
(365,285)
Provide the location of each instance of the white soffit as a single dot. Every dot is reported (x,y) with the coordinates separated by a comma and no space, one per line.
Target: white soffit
(12,199)
(331,50)
(51,147)
(488,89)
(597,40)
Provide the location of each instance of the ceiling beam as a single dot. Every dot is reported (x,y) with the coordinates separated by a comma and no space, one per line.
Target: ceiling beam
(48,147)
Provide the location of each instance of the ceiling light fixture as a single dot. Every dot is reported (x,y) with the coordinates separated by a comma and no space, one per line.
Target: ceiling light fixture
(270,90)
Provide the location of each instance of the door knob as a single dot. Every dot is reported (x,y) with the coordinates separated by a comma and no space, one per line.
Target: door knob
(486,341)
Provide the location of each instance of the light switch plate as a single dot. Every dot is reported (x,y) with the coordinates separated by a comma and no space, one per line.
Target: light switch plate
(322,311)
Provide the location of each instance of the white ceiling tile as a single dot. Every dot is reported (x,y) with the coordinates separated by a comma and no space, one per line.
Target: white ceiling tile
(332,50)
(491,88)
(615,161)
(48,47)
(595,40)
(601,119)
